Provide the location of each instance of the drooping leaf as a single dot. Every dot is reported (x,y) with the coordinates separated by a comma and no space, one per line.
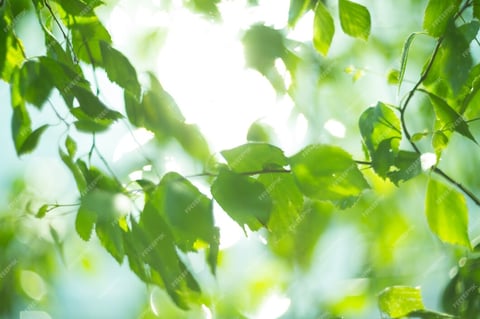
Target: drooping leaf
(119,69)
(447,213)
(34,83)
(75,170)
(243,198)
(448,118)
(327,172)
(187,211)
(400,301)
(11,48)
(32,139)
(85,220)
(323,28)
(354,19)
(71,146)
(452,64)
(92,106)
(86,39)
(296,10)
(438,15)
(381,132)
(21,129)
(254,157)
(404,59)
(79,7)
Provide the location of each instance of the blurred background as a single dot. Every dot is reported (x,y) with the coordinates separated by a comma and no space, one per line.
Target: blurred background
(225,65)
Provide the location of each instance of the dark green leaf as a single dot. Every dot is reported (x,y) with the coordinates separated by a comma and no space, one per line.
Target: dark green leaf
(34,83)
(205,7)
(32,139)
(86,39)
(354,19)
(452,64)
(476,9)
(78,7)
(119,69)
(187,211)
(327,172)
(448,118)
(398,301)
(447,213)
(438,15)
(254,157)
(21,129)
(92,106)
(323,29)
(407,166)
(243,198)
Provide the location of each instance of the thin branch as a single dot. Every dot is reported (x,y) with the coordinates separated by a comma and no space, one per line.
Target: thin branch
(466,191)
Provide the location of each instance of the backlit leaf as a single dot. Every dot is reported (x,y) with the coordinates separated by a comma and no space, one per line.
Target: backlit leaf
(354,19)
(399,301)
(438,15)
(323,29)
(447,213)
(254,157)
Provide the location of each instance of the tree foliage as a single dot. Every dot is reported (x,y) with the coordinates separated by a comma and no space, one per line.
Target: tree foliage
(263,189)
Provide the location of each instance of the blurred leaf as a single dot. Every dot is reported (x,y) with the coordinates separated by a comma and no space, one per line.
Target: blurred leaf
(327,172)
(119,69)
(42,211)
(438,15)
(297,10)
(381,131)
(187,211)
(11,48)
(398,301)
(447,213)
(92,106)
(75,170)
(207,7)
(243,198)
(21,129)
(71,146)
(79,7)
(439,142)
(86,218)
(258,132)
(34,83)
(418,136)
(448,118)
(86,40)
(323,29)
(453,61)
(354,19)
(393,77)
(254,157)
(428,314)
(476,9)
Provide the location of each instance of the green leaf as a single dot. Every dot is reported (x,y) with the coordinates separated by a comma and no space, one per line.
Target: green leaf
(187,211)
(296,10)
(399,301)
(86,40)
(327,172)
(404,59)
(119,69)
(206,7)
(393,77)
(71,146)
(450,69)
(85,220)
(439,142)
(448,118)
(476,9)
(438,15)
(447,213)
(92,106)
(42,211)
(323,29)
(78,7)
(254,157)
(243,198)
(258,132)
(11,48)
(75,170)
(34,83)
(407,166)
(381,132)
(354,19)
(21,129)
(32,139)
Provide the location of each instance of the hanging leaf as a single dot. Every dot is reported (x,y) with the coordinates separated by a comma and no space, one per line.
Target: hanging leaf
(32,139)
(243,198)
(354,19)
(323,29)
(447,213)
(296,10)
(327,172)
(404,59)
(119,69)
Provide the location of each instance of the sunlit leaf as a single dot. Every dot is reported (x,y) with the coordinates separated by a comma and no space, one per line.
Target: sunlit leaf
(86,39)
(254,157)
(243,198)
(354,19)
(11,48)
(327,172)
(71,146)
(323,29)
(79,7)
(296,10)
(403,62)
(438,15)
(407,165)
(447,213)
(398,301)
(119,69)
